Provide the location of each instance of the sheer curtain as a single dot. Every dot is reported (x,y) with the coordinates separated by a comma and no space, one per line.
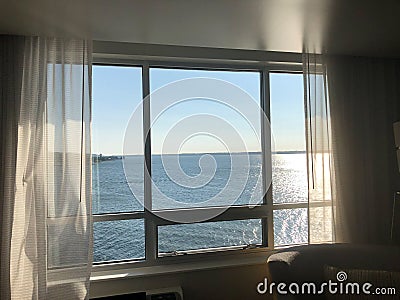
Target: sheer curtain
(365,102)
(352,169)
(46,242)
(321,177)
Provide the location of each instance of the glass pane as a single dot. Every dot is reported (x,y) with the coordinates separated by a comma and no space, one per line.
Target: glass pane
(289,177)
(61,251)
(188,196)
(290,226)
(117,91)
(321,218)
(118,240)
(289,169)
(185,237)
(206,152)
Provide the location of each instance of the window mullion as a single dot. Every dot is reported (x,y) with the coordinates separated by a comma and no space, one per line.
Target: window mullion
(150,227)
(118,216)
(267,224)
(232,213)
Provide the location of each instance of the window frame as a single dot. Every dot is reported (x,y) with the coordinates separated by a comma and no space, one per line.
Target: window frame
(129,58)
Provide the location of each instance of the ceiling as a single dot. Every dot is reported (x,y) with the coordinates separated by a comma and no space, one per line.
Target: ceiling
(353,27)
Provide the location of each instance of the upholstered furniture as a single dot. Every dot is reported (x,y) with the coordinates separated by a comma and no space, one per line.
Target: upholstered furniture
(309,263)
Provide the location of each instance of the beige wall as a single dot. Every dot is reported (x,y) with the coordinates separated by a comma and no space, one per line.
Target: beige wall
(223,283)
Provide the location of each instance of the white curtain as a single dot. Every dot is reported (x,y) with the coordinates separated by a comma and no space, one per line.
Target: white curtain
(321,177)
(351,104)
(46,241)
(364,98)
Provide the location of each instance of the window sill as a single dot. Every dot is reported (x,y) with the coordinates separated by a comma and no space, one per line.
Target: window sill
(115,271)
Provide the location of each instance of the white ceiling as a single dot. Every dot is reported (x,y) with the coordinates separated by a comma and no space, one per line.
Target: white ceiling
(356,27)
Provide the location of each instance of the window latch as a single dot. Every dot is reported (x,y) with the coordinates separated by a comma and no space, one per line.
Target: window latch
(250,246)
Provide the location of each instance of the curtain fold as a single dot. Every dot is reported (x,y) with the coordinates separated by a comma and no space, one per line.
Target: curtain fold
(319,150)
(365,102)
(46,174)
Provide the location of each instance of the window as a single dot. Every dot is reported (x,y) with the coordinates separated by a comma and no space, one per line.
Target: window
(116,93)
(289,168)
(197,149)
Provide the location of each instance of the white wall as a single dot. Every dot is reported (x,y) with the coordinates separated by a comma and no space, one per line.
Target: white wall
(231,283)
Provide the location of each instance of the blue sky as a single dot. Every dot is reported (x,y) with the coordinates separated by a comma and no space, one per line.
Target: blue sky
(287,111)
(117,91)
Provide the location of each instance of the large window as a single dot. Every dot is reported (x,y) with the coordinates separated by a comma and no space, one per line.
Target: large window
(199,174)
(117,91)
(289,168)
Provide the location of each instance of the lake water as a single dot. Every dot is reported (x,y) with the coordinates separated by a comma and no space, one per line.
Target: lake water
(213,176)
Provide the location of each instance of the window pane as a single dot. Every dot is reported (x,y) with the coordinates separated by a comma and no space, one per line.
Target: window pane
(290,226)
(289,177)
(289,169)
(185,237)
(118,240)
(61,251)
(198,196)
(215,158)
(116,93)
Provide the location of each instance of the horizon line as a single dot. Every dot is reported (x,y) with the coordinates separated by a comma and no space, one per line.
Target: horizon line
(188,153)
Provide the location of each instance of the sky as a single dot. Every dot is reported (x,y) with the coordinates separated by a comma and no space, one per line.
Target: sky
(183,128)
